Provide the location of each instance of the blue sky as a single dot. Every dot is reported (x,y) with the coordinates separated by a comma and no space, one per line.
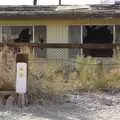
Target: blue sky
(50,2)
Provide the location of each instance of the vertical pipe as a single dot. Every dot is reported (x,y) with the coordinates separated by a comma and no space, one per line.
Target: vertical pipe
(114,40)
(59,2)
(1,42)
(114,34)
(33,33)
(1,33)
(34,2)
(81,37)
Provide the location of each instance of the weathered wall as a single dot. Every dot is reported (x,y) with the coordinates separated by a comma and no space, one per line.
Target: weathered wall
(57,30)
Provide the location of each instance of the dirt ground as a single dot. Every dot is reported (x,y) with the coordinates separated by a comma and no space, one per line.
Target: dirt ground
(86,106)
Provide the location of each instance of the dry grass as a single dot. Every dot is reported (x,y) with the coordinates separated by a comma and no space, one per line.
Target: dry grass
(7,77)
(56,80)
(49,84)
(89,75)
(7,71)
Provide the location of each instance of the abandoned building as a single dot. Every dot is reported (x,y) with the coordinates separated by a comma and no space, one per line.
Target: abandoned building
(62,31)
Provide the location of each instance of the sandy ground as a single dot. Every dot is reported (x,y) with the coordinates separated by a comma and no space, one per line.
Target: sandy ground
(86,106)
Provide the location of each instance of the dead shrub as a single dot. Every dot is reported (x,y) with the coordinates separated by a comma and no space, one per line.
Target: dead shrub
(49,85)
(88,75)
(7,77)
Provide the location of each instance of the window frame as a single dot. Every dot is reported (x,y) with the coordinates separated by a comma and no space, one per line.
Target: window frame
(81,34)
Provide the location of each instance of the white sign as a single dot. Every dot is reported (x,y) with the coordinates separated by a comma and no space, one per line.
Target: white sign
(21,78)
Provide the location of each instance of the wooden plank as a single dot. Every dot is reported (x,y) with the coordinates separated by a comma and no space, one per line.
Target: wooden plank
(7,92)
(63,45)
(21,100)
(68,45)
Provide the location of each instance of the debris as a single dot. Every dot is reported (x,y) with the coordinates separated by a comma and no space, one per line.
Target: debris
(9,102)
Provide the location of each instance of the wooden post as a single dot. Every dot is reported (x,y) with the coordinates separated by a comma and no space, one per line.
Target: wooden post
(21,58)
(21,100)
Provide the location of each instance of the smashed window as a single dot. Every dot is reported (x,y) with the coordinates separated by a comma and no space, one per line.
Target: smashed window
(98,35)
(17,33)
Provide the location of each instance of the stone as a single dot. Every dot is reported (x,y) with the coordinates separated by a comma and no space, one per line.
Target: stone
(1,101)
(9,102)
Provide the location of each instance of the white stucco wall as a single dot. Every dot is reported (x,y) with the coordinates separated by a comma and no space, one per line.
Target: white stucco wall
(57,33)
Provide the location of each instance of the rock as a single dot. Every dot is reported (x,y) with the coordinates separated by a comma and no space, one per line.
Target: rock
(1,101)
(9,102)
(106,102)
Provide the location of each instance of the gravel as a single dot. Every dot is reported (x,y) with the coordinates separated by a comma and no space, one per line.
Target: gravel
(86,106)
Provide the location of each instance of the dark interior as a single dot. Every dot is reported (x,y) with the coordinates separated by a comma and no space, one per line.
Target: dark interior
(98,35)
(24,36)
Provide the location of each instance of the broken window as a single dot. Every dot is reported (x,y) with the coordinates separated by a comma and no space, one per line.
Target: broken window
(17,33)
(95,34)
(98,35)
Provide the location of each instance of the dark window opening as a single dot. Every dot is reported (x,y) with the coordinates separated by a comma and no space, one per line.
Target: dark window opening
(17,33)
(24,36)
(98,35)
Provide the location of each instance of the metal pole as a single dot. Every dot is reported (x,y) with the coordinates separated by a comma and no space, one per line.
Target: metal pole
(59,2)
(114,40)
(33,33)
(81,37)
(34,2)
(1,33)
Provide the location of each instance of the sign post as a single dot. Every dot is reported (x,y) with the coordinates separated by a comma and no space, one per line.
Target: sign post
(21,78)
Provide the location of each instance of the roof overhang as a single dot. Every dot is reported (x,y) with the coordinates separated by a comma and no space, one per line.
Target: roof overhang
(59,12)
